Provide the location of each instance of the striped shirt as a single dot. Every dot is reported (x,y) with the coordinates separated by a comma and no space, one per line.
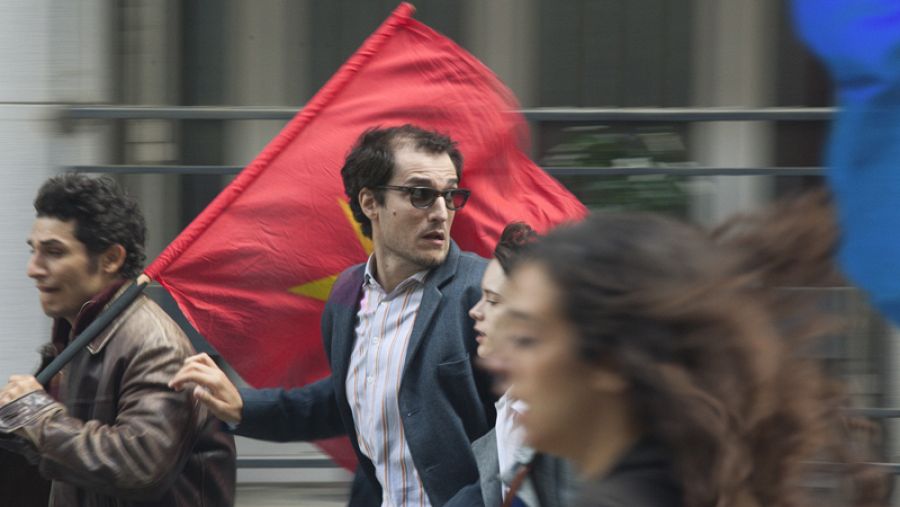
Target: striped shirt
(384,326)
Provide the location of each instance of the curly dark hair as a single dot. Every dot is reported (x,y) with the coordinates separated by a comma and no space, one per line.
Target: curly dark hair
(717,362)
(514,242)
(370,162)
(104,215)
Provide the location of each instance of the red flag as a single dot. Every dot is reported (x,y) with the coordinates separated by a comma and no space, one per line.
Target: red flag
(252,271)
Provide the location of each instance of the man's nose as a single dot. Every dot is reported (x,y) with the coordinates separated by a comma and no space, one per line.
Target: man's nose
(35,268)
(439,211)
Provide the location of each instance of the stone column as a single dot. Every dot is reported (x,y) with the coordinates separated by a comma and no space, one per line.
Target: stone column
(733,58)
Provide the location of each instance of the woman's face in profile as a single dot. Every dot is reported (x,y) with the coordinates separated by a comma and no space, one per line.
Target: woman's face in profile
(485,311)
(545,369)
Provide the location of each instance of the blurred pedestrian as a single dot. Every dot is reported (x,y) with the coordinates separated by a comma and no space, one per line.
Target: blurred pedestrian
(662,362)
(108,430)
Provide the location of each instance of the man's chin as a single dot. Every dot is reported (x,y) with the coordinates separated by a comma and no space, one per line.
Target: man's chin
(52,314)
(51,311)
(430,259)
(433,261)
(48,310)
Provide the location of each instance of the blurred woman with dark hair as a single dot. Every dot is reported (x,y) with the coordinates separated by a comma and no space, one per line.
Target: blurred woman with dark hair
(659,359)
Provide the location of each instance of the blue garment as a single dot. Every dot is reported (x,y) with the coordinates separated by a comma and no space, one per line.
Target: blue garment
(859,42)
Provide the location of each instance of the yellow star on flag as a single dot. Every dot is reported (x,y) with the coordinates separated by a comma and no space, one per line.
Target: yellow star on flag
(321,288)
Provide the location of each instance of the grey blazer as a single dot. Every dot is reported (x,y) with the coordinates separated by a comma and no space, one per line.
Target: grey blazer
(445,402)
(554,479)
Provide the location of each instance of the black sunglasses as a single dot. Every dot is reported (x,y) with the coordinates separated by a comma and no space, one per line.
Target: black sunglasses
(424,197)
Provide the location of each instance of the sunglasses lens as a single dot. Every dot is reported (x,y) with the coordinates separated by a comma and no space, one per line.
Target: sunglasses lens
(457,199)
(422,197)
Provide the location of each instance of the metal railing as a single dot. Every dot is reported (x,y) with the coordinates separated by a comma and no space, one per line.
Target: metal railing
(568,114)
(284,463)
(553,171)
(539,115)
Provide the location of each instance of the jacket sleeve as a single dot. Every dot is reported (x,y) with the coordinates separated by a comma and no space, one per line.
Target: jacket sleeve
(18,445)
(300,414)
(138,456)
(282,415)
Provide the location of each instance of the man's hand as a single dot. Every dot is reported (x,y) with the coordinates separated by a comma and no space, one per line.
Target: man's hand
(210,386)
(18,386)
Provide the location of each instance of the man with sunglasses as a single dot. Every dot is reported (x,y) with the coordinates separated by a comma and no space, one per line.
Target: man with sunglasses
(396,331)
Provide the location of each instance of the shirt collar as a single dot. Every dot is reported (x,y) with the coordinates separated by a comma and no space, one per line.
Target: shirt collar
(369,280)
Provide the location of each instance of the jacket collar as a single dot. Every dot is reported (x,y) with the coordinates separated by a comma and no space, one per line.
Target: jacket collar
(63,332)
(369,279)
(348,296)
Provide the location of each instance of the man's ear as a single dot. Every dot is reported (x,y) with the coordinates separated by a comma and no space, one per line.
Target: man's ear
(368,203)
(112,259)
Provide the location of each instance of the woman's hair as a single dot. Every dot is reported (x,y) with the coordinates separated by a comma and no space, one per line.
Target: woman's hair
(714,354)
(514,240)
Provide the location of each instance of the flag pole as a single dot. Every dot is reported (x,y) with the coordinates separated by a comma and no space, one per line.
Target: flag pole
(94,329)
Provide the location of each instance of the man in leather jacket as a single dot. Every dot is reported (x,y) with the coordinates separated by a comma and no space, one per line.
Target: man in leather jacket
(118,435)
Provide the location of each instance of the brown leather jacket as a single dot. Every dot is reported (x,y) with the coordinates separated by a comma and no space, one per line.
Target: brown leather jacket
(120,436)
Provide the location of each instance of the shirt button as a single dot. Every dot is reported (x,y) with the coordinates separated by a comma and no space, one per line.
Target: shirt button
(370,379)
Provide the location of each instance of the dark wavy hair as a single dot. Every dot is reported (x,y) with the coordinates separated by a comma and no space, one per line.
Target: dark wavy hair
(514,242)
(370,162)
(104,215)
(717,359)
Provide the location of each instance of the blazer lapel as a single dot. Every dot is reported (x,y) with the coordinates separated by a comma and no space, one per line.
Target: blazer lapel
(431,300)
(346,305)
(485,451)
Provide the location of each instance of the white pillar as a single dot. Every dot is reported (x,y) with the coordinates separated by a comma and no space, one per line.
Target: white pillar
(502,34)
(269,58)
(148,36)
(734,51)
